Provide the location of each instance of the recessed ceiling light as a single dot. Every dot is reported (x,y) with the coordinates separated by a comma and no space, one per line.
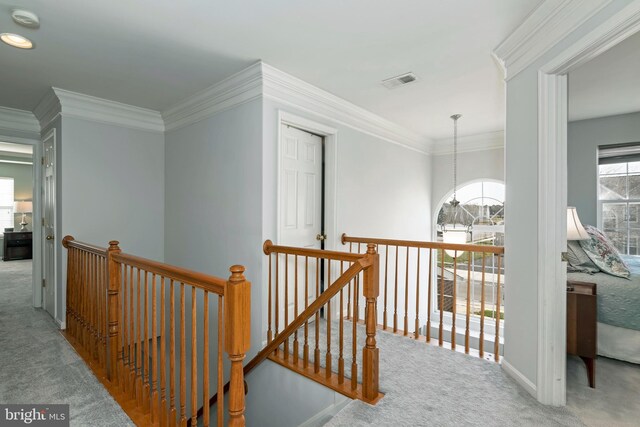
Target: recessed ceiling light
(16,40)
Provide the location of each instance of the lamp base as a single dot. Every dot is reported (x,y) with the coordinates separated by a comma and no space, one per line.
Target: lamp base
(24,226)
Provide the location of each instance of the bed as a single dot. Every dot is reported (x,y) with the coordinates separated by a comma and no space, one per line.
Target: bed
(618,304)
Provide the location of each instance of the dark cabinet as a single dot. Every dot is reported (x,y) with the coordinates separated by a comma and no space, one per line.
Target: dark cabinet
(17,245)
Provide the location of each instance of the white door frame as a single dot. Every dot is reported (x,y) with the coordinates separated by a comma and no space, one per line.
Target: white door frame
(552,195)
(330,173)
(36,226)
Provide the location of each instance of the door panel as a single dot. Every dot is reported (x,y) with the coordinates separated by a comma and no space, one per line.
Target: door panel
(48,215)
(300,214)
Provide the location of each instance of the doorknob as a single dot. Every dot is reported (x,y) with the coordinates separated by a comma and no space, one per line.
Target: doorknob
(49,237)
(321,237)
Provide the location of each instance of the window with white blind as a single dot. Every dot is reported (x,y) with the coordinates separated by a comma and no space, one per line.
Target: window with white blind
(619,195)
(6,203)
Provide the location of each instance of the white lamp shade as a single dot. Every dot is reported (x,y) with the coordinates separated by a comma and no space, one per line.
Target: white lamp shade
(25,206)
(575,230)
(454,235)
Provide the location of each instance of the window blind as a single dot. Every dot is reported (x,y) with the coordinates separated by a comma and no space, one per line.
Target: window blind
(619,153)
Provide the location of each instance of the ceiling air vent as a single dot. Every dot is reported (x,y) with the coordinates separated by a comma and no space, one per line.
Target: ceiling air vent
(400,80)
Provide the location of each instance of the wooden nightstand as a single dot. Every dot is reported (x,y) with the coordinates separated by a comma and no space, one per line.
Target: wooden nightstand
(582,325)
(17,245)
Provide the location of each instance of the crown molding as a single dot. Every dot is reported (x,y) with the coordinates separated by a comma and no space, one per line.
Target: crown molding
(288,89)
(100,110)
(21,121)
(542,29)
(235,90)
(47,109)
(469,143)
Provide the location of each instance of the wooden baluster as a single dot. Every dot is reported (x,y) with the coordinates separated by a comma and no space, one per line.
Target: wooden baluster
(481,347)
(205,363)
(95,295)
(145,380)
(466,331)
(124,369)
(305,348)
(295,311)
(416,334)
(183,361)
(103,321)
(269,332)
(286,304)
(163,351)
(114,289)
(81,335)
(132,339)
(277,296)
(172,356)
(316,352)
(441,298)
(349,288)
(386,276)
(406,295)
(155,409)
(429,294)
(455,301)
(328,315)
(138,342)
(496,344)
(395,297)
(237,339)
(220,403)
(194,359)
(358,247)
(341,333)
(370,353)
(354,334)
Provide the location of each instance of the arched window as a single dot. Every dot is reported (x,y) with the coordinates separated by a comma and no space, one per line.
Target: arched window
(481,211)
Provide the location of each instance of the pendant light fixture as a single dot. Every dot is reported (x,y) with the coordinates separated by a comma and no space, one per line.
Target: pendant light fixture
(453,230)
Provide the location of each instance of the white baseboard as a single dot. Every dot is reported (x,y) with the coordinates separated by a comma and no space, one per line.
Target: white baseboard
(327,413)
(519,377)
(61,324)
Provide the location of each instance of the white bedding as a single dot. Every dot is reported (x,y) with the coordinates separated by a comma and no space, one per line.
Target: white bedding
(618,343)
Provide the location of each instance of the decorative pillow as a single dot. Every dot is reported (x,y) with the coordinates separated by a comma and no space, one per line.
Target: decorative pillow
(578,260)
(603,253)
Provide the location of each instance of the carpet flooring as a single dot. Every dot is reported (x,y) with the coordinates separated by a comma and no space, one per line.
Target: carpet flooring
(38,365)
(428,385)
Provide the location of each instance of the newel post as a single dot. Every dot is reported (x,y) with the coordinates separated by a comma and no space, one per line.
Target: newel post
(371,290)
(113,310)
(237,338)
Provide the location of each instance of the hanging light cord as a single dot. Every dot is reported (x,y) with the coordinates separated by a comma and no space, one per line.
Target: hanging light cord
(455,118)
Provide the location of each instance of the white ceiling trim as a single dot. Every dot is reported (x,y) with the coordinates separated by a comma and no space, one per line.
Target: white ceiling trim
(469,143)
(18,120)
(235,90)
(47,109)
(543,28)
(291,90)
(100,110)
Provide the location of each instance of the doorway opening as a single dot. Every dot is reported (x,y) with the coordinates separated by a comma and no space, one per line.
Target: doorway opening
(17,213)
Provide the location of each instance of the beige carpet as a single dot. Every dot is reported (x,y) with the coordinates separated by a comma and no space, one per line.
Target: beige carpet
(38,365)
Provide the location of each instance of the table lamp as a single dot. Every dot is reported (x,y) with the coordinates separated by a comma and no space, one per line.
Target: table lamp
(24,207)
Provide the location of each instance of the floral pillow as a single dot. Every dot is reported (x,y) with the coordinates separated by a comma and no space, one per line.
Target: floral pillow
(603,253)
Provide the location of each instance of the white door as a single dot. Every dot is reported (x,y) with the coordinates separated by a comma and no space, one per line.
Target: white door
(300,210)
(48,215)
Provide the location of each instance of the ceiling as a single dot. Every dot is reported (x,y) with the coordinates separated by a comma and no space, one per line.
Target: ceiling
(154,53)
(607,85)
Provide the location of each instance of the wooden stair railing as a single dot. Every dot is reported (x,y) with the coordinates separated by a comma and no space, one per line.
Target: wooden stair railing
(121,331)
(403,260)
(363,266)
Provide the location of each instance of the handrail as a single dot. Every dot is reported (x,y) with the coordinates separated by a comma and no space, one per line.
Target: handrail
(269,248)
(498,250)
(199,280)
(69,242)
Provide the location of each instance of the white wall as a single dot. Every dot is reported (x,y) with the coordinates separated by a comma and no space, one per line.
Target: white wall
(111,187)
(584,137)
(521,231)
(472,166)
